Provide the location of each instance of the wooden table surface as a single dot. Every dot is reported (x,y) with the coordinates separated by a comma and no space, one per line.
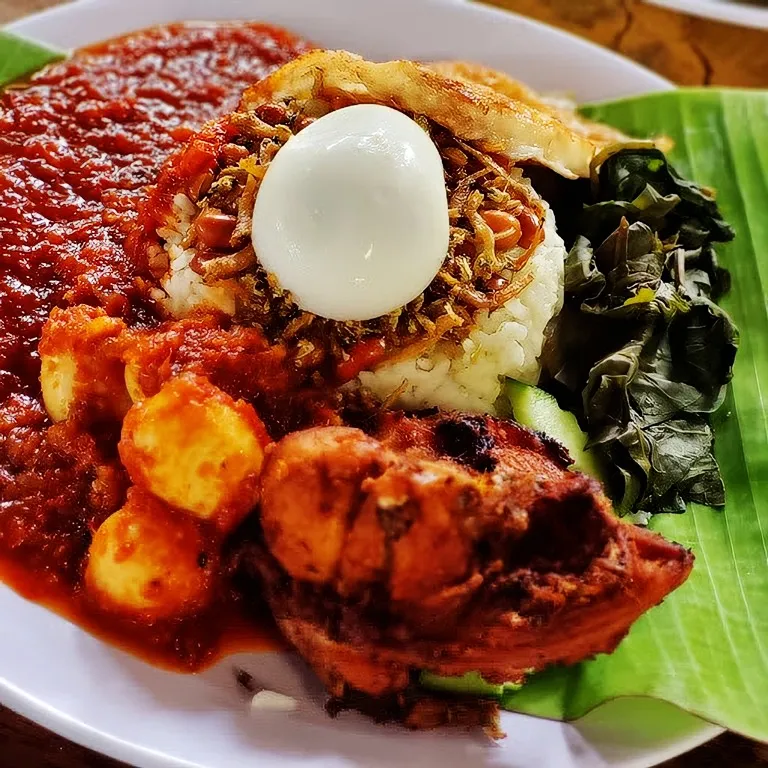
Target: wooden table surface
(688,51)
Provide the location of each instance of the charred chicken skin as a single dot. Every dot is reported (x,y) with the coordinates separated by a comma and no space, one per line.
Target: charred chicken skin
(450,544)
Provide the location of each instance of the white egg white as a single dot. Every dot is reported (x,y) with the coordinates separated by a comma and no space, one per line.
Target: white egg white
(352,215)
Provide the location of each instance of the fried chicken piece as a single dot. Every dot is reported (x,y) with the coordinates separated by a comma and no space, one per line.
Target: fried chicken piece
(450,544)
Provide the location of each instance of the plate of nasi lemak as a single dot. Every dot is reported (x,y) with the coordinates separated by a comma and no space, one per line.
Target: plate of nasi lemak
(380,384)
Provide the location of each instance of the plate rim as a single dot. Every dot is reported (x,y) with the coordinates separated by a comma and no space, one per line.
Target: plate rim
(135,754)
(59,722)
(661,83)
(56,719)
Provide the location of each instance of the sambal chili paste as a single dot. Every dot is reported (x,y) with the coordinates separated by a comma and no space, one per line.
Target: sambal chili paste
(79,144)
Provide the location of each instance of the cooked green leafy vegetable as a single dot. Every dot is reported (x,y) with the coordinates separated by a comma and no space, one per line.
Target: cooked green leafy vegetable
(640,347)
(20,57)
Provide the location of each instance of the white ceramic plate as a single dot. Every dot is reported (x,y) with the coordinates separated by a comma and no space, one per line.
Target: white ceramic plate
(728,11)
(68,681)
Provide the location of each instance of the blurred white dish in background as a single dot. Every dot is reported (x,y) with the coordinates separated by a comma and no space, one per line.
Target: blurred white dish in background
(726,11)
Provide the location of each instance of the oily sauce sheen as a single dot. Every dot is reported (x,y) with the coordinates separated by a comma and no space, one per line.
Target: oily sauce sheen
(78,146)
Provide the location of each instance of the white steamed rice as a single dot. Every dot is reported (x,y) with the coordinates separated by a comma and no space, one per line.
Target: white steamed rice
(183,289)
(506,342)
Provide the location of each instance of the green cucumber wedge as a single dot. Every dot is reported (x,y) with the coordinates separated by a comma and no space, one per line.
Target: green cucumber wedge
(536,409)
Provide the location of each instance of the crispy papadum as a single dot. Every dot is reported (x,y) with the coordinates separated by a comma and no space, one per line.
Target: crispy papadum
(600,134)
(505,124)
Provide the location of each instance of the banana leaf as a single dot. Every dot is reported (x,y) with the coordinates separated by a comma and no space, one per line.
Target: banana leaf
(20,57)
(705,649)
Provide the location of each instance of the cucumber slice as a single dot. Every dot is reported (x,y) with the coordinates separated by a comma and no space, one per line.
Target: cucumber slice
(470,684)
(533,407)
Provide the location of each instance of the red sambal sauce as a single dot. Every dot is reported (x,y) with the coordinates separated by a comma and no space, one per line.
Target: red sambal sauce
(78,146)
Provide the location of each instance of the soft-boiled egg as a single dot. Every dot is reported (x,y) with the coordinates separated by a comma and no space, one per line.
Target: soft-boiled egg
(352,215)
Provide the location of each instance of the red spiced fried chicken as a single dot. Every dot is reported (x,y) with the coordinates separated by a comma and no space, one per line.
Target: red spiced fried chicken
(449,544)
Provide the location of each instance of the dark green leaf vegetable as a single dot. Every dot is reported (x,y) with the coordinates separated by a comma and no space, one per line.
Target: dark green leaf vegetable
(641,348)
